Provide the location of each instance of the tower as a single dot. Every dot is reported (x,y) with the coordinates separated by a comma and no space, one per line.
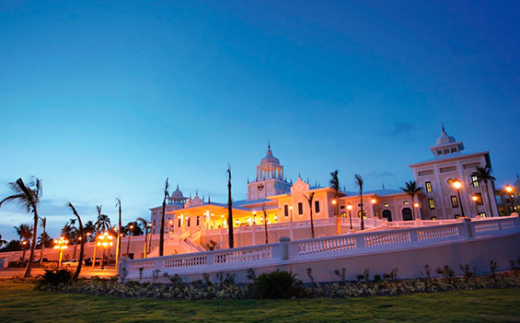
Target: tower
(269,178)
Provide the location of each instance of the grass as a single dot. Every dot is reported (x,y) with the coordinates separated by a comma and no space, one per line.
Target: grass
(19,302)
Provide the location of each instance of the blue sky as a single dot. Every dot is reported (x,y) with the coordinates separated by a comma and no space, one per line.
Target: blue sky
(105,99)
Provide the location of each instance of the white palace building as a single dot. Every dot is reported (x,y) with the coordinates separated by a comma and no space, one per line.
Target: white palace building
(273,199)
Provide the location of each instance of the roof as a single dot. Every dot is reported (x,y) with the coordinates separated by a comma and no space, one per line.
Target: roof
(451,156)
(269,157)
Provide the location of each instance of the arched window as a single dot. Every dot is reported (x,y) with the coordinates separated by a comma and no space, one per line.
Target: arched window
(388,215)
(407,214)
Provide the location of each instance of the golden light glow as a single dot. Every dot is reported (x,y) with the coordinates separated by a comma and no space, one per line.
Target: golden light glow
(334,202)
(509,189)
(416,204)
(457,184)
(131,227)
(349,207)
(290,207)
(105,240)
(474,198)
(61,243)
(374,201)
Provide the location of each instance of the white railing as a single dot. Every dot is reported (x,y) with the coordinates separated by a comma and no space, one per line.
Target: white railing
(322,248)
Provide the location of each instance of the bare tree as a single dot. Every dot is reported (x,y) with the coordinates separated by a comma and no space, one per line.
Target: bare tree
(310,198)
(161,236)
(230,211)
(359,183)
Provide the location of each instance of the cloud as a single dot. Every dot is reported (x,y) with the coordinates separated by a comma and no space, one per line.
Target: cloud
(380,174)
(402,128)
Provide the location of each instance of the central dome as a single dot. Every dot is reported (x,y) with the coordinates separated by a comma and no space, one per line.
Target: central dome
(177,193)
(269,158)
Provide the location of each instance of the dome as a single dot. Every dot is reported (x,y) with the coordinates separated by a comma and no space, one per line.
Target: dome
(177,193)
(269,158)
(444,138)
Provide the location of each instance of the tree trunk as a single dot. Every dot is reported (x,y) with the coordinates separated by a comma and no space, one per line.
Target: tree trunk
(27,272)
(44,239)
(128,244)
(362,212)
(265,224)
(81,250)
(312,223)
(489,199)
(338,220)
(118,246)
(161,237)
(230,213)
(145,240)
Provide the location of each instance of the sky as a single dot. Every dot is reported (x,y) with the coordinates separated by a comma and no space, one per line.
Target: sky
(106,99)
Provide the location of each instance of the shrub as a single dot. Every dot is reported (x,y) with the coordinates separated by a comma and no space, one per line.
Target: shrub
(277,284)
(56,277)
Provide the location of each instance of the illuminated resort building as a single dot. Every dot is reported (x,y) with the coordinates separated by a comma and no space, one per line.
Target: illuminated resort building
(202,224)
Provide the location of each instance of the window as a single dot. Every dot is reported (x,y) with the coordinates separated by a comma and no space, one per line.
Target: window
(386,205)
(343,214)
(179,223)
(434,218)
(428,187)
(300,208)
(454,202)
(482,214)
(286,210)
(474,181)
(189,221)
(198,221)
(342,207)
(457,216)
(479,199)
(406,202)
(426,172)
(317,206)
(431,204)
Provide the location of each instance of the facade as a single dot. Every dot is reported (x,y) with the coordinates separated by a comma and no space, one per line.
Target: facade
(272,201)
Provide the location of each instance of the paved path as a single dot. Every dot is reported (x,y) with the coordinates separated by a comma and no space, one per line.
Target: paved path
(85,272)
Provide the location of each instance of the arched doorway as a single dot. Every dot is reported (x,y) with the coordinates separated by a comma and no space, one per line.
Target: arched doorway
(407,214)
(388,215)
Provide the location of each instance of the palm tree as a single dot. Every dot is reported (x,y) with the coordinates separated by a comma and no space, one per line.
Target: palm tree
(70,233)
(118,244)
(483,174)
(44,239)
(145,226)
(82,238)
(412,189)
(103,222)
(265,224)
(309,199)
(28,197)
(24,231)
(90,230)
(2,241)
(334,184)
(230,211)
(358,180)
(131,229)
(161,236)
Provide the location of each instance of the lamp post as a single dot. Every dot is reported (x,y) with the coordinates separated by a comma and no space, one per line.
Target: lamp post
(60,244)
(458,185)
(24,244)
(349,208)
(105,241)
(510,191)
(475,199)
(374,207)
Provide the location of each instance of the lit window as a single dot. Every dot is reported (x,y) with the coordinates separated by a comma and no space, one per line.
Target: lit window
(428,187)
(482,214)
(317,206)
(454,202)
(406,202)
(474,181)
(434,218)
(300,208)
(386,205)
(431,204)
(479,199)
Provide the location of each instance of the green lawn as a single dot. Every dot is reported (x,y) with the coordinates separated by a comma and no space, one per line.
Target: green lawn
(19,302)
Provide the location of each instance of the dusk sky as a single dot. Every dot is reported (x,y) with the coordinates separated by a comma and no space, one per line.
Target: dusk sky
(104,99)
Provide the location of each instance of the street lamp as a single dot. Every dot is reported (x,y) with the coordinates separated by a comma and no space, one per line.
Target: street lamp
(510,190)
(458,185)
(349,208)
(105,241)
(374,201)
(24,244)
(475,199)
(130,230)
(60,244)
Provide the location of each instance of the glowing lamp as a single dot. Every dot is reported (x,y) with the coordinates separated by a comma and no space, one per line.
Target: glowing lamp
(457,184)
(349,207)
(508,188)
(334,202)
(374,201)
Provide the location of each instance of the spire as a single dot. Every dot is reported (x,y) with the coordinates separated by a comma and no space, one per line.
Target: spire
(209,198)
(268,144)
(196,192)
(443,130)
(383,185)
(299,176)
